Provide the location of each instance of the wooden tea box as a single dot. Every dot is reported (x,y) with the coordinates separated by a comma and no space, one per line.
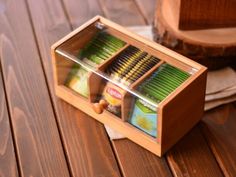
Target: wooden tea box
(148,93)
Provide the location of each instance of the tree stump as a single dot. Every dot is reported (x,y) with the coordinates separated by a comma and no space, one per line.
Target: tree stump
(214,48)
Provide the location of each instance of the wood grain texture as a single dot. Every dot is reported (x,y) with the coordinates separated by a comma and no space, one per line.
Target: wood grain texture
(138,162)
(191,156)
(86,144)
(8,164)
(88,147)
(80,11)
(219,128)
(124,12)
(147,8)
(195,14)
(36,135)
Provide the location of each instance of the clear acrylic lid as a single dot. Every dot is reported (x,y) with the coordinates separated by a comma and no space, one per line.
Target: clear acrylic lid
(122,75)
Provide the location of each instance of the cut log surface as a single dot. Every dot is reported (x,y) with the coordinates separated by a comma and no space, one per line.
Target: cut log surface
(214,48)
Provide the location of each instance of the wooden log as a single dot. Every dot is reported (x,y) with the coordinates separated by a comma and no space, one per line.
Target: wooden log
(215,48)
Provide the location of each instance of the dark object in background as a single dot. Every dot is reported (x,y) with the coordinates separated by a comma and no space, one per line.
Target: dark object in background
(214,48)
(198,14)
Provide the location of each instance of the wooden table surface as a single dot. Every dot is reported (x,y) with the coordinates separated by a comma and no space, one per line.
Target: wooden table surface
(41,135)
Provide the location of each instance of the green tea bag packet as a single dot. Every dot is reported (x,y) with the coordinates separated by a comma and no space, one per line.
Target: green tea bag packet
(160,84)
(78,80)
(130,65)
(144,117)
(101,47)
(163,82)
(89,62)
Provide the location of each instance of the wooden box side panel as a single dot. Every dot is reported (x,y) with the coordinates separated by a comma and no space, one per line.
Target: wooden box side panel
(182,112)
(54,69)
(64,41)
(62,68)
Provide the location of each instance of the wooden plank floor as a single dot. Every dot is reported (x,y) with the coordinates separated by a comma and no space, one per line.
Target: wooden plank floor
(41,135)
